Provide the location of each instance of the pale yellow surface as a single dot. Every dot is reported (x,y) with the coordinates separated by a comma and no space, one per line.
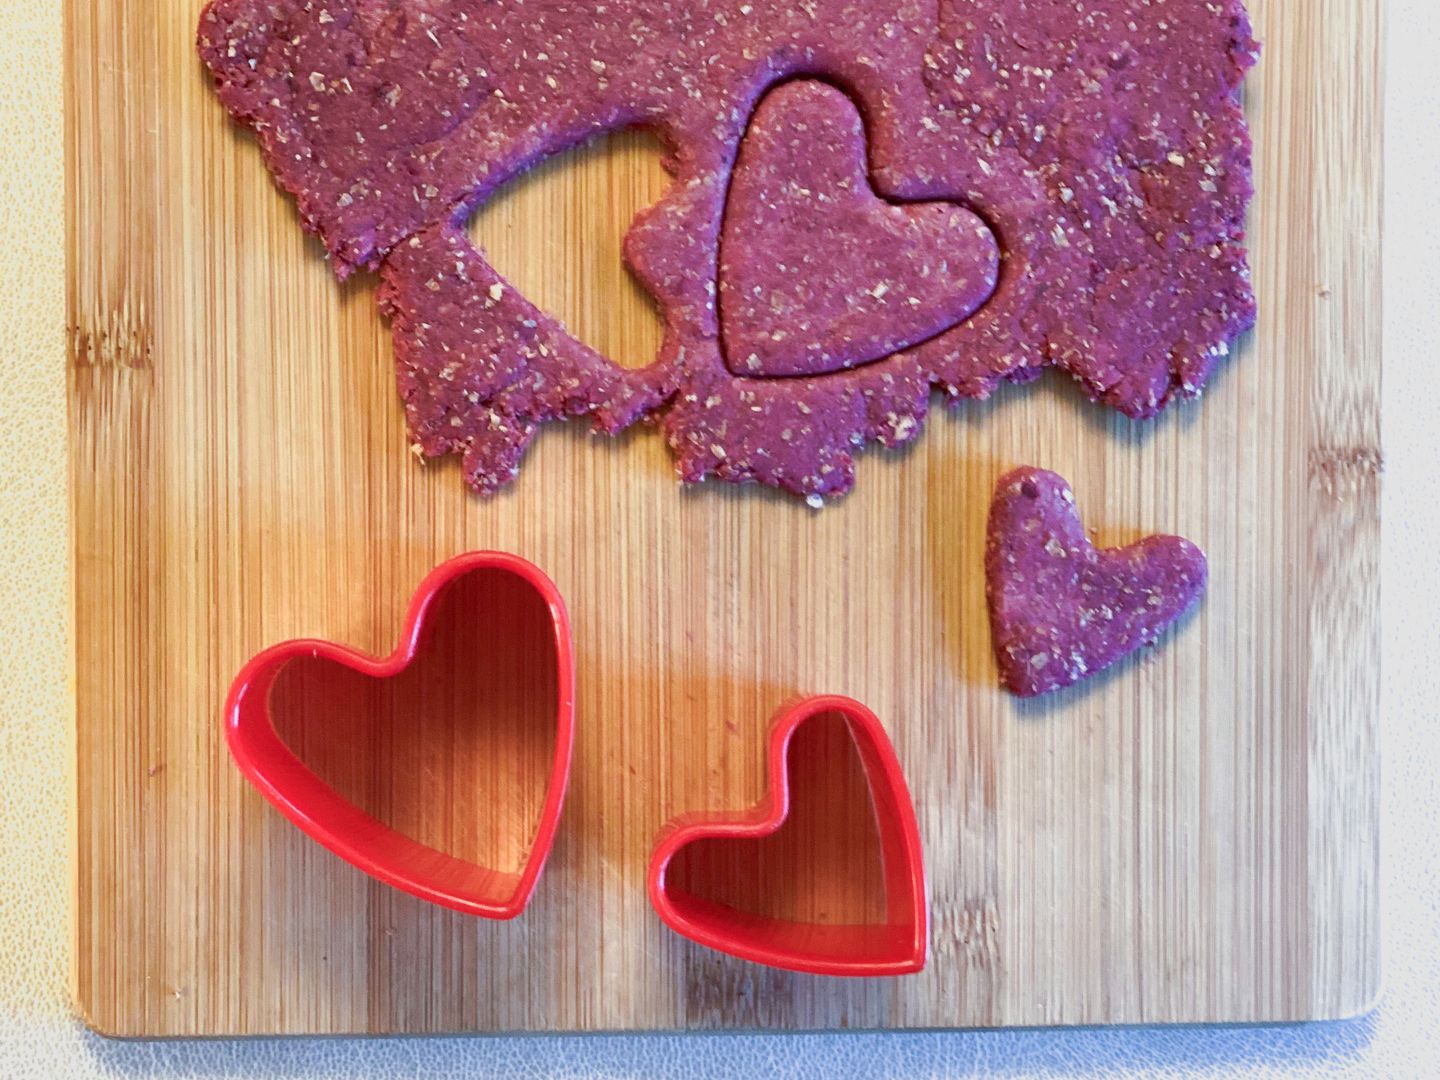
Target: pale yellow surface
(38,1038)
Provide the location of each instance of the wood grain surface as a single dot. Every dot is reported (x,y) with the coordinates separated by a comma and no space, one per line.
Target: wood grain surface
(1188,838)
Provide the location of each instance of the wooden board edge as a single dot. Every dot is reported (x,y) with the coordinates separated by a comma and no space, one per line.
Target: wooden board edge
(1344,470)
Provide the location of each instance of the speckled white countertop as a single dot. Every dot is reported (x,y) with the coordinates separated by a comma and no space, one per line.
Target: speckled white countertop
(39,1037)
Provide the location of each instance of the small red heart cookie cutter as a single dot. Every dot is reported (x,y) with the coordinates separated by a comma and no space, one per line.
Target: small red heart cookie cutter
(357,837)
(894,947)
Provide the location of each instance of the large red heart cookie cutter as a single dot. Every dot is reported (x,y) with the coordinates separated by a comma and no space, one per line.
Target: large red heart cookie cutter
(893,947)
(356,836)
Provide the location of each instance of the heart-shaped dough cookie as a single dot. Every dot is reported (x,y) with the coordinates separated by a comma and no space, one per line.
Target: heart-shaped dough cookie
(1060,609)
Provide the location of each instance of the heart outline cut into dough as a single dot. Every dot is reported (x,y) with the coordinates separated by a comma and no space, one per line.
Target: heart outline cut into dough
(359,838)
(817,272)
(895,947)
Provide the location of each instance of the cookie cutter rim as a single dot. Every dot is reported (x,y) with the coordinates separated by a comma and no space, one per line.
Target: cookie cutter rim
(895,947)
(359,838)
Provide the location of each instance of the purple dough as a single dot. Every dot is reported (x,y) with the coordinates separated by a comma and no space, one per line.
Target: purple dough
(1108,155)
(479,366)
(817,273)
(1059,609)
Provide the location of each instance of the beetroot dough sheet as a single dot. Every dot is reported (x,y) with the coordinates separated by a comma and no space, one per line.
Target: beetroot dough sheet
(1053,182)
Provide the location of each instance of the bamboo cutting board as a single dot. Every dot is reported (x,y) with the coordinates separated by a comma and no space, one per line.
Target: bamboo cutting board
(1191,838)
